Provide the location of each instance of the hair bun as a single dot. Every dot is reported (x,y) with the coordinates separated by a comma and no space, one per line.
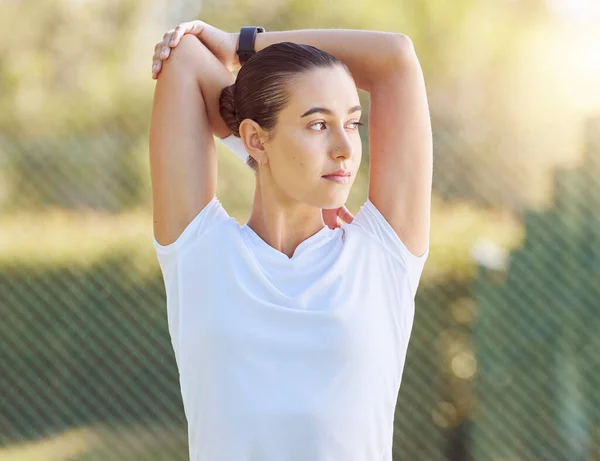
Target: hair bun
(227,109)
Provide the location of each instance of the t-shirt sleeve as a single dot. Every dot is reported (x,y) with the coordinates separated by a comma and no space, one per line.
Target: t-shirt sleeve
(210,215)
(170,255)
(371,220)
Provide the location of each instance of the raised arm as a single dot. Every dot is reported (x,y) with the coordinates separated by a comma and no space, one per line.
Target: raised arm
(183,159)
(367,53)
(401,146)
(401,149)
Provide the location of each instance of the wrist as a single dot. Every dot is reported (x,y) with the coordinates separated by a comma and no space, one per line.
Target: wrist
(235,61)
(246,42)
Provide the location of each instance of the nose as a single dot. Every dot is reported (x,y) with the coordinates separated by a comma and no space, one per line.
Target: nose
(341,147)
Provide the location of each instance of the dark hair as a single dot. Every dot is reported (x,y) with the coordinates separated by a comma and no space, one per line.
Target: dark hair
(261,88)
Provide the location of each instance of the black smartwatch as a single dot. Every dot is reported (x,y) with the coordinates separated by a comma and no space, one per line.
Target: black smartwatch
(246,42)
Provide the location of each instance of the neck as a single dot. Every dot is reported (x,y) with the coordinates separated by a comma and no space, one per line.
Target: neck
(282,222)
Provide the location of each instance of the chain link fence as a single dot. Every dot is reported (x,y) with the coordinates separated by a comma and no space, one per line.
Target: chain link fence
(503,362)
(536,337)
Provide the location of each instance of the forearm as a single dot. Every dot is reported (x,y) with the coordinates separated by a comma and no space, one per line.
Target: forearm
(369,55)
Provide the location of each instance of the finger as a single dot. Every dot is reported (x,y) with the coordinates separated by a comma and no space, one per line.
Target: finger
(192,27)
(195,27)
(157,49)
(179,32)
(167,37)
(345,214)
(155,69)
(329,218)
(330,222)
(164,53)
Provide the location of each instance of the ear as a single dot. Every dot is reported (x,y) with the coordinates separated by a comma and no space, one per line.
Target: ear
(253,137)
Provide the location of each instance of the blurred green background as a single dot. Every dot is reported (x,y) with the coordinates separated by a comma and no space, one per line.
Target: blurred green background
(503,363)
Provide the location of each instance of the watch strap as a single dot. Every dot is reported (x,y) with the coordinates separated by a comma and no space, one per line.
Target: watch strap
(246,42)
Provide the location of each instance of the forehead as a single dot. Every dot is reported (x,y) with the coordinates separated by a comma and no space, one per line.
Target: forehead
(327,87)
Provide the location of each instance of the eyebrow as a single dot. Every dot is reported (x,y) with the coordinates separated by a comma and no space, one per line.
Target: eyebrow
(326,111)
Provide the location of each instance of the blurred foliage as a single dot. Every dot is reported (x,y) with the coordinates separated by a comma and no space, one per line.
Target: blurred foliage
(496,83)
(79,80)
(537,334)
(85,349)
(65,70)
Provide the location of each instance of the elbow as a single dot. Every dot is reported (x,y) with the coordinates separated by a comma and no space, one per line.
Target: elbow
(186,54)
(402,49)
(398,55)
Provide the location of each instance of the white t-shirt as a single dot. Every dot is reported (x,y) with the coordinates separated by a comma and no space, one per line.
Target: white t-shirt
(289,359)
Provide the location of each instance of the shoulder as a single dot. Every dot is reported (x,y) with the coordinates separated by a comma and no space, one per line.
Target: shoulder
(373,226)
(375,235)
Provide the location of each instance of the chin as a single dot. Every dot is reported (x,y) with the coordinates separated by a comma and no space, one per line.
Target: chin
(330,203)
(327,198)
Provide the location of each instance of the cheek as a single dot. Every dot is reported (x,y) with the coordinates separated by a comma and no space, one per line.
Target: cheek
(303,156)
(308,163)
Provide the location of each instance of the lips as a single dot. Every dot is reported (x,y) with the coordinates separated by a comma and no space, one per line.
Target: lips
(338,179)
(338,172)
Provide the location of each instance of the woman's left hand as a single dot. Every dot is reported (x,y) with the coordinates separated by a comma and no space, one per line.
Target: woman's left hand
(220,43)
(334,218)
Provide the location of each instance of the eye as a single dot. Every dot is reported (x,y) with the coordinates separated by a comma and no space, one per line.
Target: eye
(355,127)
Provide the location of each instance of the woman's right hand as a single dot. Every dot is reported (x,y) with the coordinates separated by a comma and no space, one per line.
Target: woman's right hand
(336,217)
(222,44)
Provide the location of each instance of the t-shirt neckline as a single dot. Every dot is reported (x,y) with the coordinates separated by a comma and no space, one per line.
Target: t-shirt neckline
(259,245)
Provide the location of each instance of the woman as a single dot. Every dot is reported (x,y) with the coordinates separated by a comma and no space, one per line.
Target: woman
(290,331)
